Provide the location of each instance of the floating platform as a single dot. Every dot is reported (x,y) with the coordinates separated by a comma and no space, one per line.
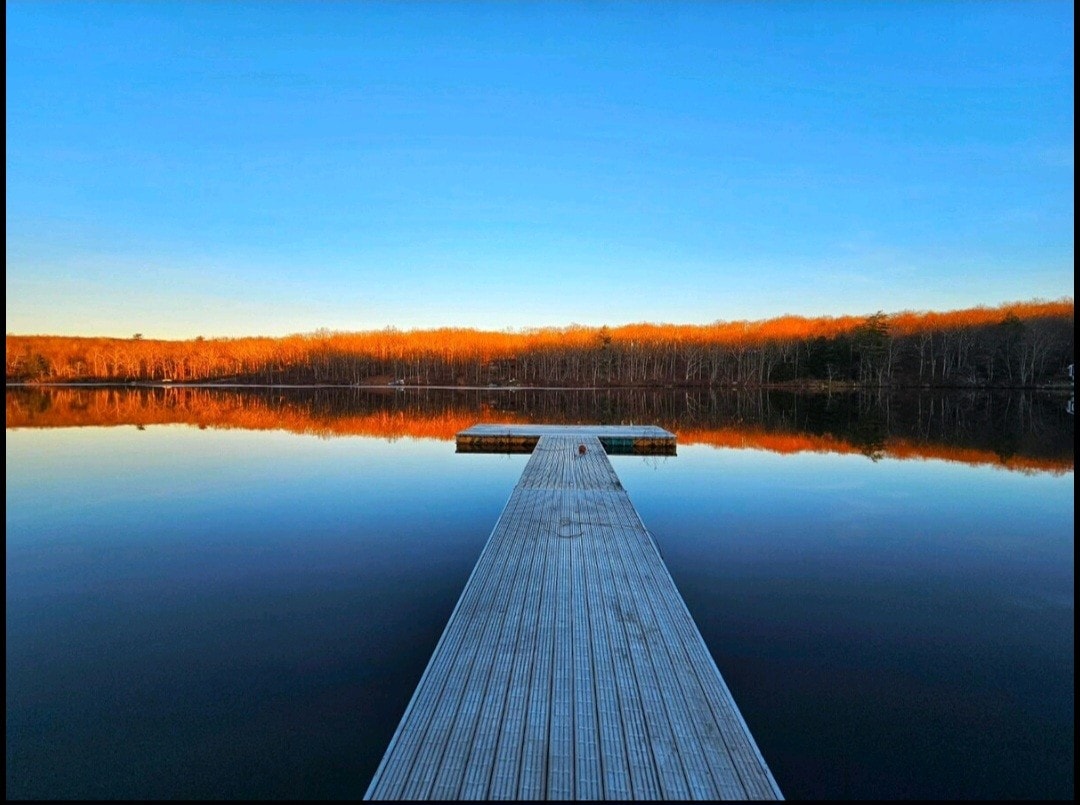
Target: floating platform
(642,440)
(570,667)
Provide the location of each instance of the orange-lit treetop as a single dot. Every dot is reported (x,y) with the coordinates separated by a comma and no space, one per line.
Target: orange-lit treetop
(1017,344)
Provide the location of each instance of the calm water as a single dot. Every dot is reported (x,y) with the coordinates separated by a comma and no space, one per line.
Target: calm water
(233,596)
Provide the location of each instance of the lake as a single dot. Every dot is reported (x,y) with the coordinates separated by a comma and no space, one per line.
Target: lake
(224,593)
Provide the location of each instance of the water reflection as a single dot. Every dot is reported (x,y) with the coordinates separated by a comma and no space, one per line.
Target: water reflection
(1025,431)
(225,610)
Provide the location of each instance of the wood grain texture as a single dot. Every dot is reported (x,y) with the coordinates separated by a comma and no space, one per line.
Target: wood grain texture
(570,667)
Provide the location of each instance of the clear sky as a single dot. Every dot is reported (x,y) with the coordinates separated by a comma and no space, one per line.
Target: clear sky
(226,169)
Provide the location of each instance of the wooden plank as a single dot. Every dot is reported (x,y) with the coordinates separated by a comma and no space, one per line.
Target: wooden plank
(589,743)
(570,667)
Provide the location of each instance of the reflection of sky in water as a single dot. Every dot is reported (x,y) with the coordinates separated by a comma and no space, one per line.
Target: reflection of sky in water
(849,497)
(245,614)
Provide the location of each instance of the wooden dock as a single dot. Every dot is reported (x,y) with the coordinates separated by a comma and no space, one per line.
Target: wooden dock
(617,439)
(570,667)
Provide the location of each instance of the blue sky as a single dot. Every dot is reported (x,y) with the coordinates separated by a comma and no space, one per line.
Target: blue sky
(226,169)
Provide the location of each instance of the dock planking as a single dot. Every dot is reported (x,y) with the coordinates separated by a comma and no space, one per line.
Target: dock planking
(616,439)
(570,667)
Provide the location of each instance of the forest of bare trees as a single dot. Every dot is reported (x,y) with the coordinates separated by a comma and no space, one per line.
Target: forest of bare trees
(1017,345)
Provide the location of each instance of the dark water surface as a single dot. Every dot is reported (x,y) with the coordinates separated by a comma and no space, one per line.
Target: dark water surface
(214,594)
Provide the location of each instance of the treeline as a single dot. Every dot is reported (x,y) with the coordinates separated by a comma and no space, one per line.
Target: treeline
(1019,345)
(1016,430)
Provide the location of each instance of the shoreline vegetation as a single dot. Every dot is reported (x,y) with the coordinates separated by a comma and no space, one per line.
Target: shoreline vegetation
(1018,345)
